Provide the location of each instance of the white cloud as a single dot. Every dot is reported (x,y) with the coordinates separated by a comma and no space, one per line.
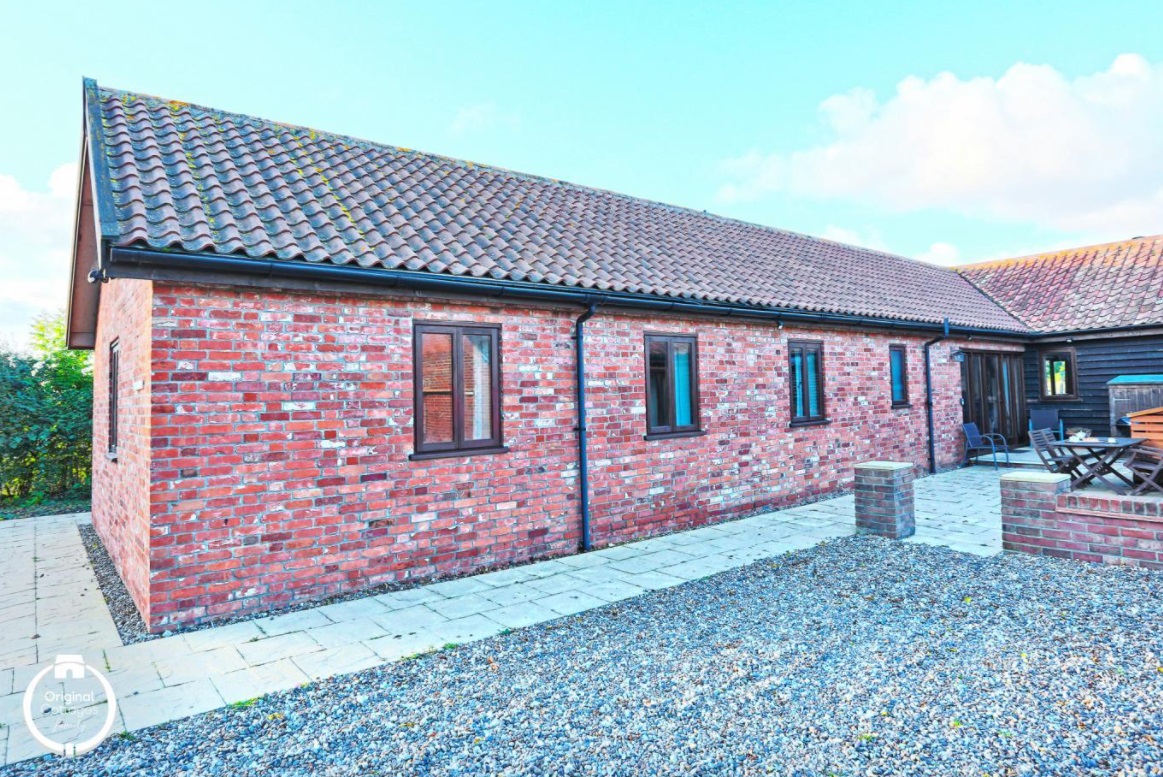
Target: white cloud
(482,117)
(1079,155)
(944,254)
(36,230)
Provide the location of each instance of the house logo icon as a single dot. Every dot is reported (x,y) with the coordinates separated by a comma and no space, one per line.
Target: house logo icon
(63,706)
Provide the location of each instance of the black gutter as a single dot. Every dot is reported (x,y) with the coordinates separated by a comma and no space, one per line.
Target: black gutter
(1128,330)
(929,395)
(471,285)
(583,461)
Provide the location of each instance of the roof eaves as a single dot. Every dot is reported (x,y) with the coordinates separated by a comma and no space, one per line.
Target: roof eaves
(145,257)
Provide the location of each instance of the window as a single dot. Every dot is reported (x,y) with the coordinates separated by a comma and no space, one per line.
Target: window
(672,385)
(898,362)
(807,382)
(114,384)
(458,389)
(1058,375)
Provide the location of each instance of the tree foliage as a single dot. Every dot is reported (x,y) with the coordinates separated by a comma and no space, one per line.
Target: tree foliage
(46,422)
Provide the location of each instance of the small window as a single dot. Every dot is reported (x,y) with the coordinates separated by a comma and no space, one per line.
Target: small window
(114,390)
(672,385)
(898,362)
(807,382)
(458,388)
(1058,377)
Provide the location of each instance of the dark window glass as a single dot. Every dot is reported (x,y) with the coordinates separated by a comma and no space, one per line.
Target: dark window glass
(436,385)
(114,392)
(672,392)
(658,400)
(806,361)
(457,387)
(898,367)
(1058,377)
(478,387)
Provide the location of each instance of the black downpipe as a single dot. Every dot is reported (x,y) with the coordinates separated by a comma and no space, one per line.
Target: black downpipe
(929,395)
(583,461)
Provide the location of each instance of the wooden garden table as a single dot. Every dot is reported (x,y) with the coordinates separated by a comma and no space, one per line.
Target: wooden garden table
(1095,457)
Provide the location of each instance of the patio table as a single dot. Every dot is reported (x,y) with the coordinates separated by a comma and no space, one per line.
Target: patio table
(1095,458)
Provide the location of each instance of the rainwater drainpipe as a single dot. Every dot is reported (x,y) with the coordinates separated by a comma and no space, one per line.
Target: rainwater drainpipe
(582,452)
(929,394)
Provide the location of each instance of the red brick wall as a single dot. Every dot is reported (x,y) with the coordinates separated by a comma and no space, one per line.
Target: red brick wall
(282,434)
(282,428)
(750,458)
(1045,519)
(121,486)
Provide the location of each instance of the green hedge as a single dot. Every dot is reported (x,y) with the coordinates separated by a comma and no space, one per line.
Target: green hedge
(46,416)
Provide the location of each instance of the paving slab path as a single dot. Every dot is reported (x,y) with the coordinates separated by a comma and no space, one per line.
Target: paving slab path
(51,604)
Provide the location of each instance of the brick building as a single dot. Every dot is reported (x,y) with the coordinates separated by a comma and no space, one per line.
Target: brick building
(323,364)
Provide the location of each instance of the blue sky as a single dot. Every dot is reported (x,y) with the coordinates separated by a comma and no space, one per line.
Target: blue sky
(943,131)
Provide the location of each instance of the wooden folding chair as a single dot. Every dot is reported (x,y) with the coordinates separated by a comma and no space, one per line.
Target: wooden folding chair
(1053,457)
(1147,466)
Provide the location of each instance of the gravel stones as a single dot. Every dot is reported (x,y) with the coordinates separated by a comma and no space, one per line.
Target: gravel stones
(860,656)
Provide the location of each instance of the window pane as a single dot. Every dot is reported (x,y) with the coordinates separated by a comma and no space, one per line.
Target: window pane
(813,389)
(897,362)
(797,381)
(478,387)
(684,399)
(658,401)
(114,391)
(1056,376)
(436,385)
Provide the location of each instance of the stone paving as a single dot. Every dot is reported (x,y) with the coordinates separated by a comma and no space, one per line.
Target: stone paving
(50,591)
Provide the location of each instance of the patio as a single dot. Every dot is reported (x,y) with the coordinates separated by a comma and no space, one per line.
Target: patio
(856,656)
(52,605)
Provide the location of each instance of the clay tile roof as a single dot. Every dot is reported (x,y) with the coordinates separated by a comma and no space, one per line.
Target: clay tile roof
(1096,287)
(194,179)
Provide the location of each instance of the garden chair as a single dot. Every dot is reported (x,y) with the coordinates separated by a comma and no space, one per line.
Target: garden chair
(976,441)
(1047,418)
(1146,464)
(1054,458)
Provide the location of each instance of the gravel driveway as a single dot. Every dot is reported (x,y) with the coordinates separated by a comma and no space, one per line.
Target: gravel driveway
(859,656)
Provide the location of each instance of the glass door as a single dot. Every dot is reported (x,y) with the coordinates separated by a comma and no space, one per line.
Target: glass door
(993,395)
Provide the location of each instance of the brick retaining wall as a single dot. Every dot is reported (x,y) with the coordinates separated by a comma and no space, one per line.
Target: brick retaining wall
(1041,516)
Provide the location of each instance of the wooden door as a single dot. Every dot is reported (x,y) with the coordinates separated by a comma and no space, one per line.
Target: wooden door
(993,394)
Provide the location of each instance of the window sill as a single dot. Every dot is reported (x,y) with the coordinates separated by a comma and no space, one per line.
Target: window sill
(1060,399)
(464,453)
(901,405)
(110,456)
(819,422)
(673,435)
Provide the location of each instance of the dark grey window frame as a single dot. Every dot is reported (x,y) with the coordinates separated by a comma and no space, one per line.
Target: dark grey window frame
(114,400)
(458,446)
(1070,357)
(671,429)
(902,401)
(806,346)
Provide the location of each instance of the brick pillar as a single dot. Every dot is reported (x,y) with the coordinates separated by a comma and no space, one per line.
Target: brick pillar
(884,499)
(1029,511)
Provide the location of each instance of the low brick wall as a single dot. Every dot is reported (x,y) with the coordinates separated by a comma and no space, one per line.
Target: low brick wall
(884,499)
(1040,515)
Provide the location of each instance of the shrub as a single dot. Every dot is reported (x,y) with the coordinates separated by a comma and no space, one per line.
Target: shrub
(46,424)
